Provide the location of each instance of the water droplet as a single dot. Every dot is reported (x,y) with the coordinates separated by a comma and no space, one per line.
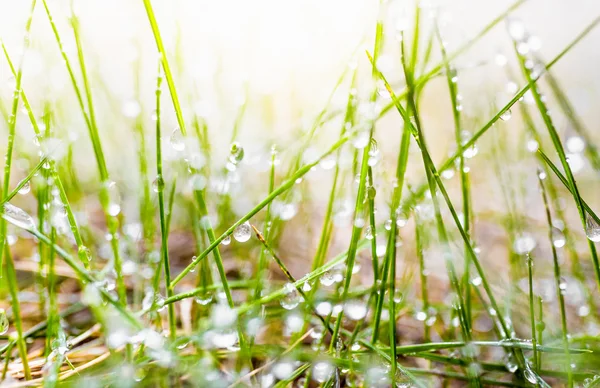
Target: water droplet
(541,174)
(158,184)
(398,296)
(91,295)
(204,298)
(524,244)
(506,115)
(283,369)
(562,285)
(176,140)
(371,192)
(361,139)
(306,286)
(583,311)
(575,144)
(530,375)
(197,182)
(17,217)
(322,371)
(532,145)
(388,225)
(369,233)
(4,324)
(355,309)
(243,232)
(292,297)
(114,209)
(558,238)
(447,174)
(226,240)
(25,189)
(476,281)
(516,28)
(236,153)
(592,228)
(470,152)
(421,316)
(131,109)
(84,253)
(501,60)
(327,163)
(327,279)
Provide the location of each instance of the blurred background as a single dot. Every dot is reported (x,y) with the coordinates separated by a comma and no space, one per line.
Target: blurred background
(273,65)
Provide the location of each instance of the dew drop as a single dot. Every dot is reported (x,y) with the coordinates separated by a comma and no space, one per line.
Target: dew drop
(530,375)
(176,140)
(25,189)
(532,145)
(4,324)
(204,298)
(369,233)
(398,296)
(114,209)
(592,228)
(243,232)
(361,140)
(388,225)
(292,297)
(327,279)
(524,244)
(158,184)
(558,238)
(17,217)
(322,371)
(575,144)
(355,309)
(516,28)
(236,153)
(327,163)
(371,192)
(226,240)
(506,115)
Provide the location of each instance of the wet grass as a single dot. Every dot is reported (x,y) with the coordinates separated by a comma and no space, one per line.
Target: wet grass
(245,310)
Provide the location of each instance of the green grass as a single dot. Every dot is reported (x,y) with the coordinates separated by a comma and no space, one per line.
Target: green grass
(338,295)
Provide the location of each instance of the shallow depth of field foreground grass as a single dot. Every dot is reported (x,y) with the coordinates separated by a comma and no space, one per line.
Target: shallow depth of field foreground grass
(413,230)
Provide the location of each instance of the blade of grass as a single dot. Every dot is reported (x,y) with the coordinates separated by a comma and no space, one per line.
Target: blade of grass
(559,286)
(543,110)
(165,65)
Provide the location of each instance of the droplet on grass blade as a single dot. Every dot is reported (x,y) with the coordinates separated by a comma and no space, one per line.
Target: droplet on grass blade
(158,184)
(176,140)
(327,279)
(204,298)
(243,232)
(4,324)
(592,228)
(355,309)
(322,371)
(25,189)
(575,144)
(236,153)
(17,217)
(530,375)
(558,238)
(226,240)
(369,235)
(524,244)
(292,297)
(506,115)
